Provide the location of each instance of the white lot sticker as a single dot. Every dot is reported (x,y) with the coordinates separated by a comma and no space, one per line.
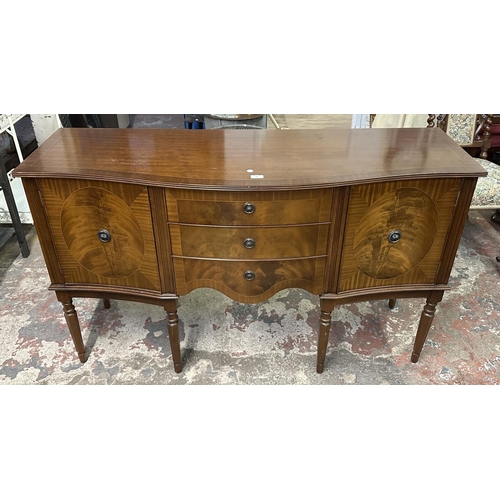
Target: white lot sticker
(255,176)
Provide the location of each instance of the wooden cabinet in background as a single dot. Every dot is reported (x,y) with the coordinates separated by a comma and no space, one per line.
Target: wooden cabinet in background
(349,215)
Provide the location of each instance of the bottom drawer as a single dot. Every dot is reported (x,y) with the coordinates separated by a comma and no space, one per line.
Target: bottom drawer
(249,281)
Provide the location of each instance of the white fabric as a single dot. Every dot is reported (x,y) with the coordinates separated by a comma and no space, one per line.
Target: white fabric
(399,121)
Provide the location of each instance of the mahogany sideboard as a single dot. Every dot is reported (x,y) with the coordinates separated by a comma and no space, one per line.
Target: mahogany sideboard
(348,215)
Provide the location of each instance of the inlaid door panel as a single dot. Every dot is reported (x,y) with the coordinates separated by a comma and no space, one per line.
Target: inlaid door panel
(102,232)
(395,232)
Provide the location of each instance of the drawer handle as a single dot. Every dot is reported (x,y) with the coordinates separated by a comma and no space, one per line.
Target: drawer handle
(249,275)
(249,208)
(249,243)
(104,235)
(394,236)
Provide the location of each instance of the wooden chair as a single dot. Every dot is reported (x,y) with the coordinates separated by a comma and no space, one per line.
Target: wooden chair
(472,132)
(495,134)
(469,131)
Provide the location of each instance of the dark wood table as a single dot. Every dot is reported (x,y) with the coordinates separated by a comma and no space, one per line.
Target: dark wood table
(349,215)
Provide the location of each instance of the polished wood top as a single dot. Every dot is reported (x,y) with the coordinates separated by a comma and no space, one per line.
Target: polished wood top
(221,159)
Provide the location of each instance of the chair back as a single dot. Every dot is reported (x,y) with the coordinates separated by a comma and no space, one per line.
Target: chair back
(469,131)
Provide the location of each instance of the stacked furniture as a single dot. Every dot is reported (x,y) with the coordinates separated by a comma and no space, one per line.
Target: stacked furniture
(495,133)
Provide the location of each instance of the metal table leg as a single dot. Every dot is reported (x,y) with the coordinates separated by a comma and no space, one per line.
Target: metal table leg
(11,205)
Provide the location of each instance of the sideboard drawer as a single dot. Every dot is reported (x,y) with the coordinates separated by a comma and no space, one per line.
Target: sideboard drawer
(250,242)
(249,208)
(249,281)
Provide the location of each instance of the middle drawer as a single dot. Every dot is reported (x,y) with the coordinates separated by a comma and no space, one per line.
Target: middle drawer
(280,242)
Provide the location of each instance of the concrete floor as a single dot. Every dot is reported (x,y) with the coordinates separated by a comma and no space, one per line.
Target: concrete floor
(225,342)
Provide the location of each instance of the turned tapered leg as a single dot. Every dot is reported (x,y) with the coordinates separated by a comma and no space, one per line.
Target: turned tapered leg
(173,333)
(107,303)
(325,321)
(392,303)
(73,324)
(425,324)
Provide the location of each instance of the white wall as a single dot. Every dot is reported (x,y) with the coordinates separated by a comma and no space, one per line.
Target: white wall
(44,126)
(360,121)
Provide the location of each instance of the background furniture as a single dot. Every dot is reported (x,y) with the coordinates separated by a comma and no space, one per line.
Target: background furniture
(16,226)
(398,121)
(7,122)
(194,121)
(218,121)
(472,132)
(495,133)
(13,204)
(349,215)
(468,130)
(95,121)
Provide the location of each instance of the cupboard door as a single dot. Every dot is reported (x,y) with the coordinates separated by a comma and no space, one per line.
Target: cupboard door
(102,232)
(396,232)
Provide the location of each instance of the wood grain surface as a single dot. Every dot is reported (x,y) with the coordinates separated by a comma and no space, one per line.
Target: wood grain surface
(369,259)
(279,242)
(39,215)
(325,203)
(270,277)
(221,159)
(162,238)
(271,208)
(406,213)
(89,210)
(78,209)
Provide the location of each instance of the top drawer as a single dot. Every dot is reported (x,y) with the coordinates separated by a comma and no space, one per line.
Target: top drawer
(249,208)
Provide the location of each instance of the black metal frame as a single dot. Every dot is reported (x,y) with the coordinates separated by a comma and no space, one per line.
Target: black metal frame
(11,205)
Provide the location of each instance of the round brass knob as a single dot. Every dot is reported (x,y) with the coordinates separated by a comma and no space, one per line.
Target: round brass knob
(104,235)
(249,208)
(249,275)
(394,236)
(249,243)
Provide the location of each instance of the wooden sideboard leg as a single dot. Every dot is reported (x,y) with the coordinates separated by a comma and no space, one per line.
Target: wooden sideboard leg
(325,322)
(425,323)
(73,324)
(107,303)
(173,333)
(392,303)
